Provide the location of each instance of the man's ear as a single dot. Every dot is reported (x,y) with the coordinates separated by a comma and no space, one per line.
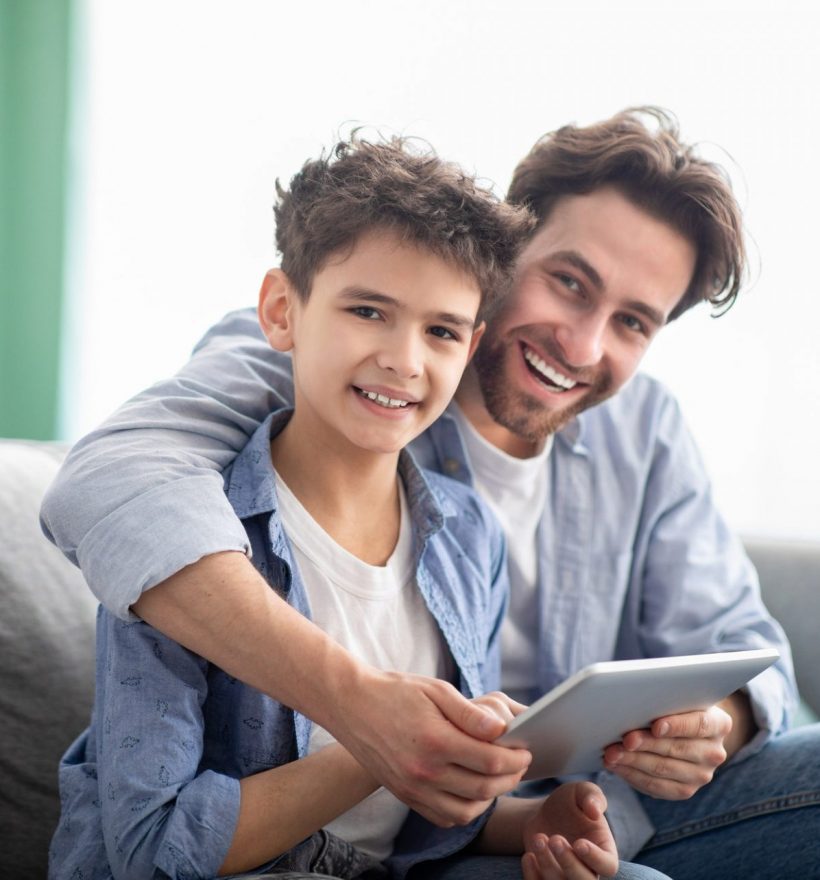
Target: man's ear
(477,334)
(277,298)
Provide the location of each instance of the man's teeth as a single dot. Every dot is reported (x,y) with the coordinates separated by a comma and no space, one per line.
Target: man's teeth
(383,400)
(554,377)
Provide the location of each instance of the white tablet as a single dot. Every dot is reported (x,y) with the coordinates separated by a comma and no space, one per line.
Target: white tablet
(568,728)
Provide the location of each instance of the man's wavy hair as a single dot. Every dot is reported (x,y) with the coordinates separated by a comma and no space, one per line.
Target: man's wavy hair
(401,186)
(657,172)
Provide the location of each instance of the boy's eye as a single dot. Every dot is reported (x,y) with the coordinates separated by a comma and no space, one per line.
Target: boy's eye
(443,333)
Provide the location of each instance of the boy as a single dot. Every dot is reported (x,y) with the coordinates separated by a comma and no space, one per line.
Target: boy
(389,261)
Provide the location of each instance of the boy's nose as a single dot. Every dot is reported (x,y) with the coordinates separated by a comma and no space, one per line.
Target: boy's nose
(581,339)
(402,355)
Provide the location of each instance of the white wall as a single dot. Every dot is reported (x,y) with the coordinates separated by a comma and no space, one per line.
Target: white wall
(190,109)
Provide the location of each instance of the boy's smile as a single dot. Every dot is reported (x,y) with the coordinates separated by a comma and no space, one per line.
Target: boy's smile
(378,346)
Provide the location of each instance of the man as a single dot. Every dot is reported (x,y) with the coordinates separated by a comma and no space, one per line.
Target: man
(616,549)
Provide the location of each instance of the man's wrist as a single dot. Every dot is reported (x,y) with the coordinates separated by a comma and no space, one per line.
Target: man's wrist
(744,727)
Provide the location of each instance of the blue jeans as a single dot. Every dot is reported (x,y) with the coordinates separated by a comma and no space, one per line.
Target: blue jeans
(758,818)
(506,868)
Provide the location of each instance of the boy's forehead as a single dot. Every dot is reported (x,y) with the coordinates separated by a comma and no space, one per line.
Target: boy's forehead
(388,254)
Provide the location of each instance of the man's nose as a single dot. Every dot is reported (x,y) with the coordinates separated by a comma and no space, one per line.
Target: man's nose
(581,338)
(402,354)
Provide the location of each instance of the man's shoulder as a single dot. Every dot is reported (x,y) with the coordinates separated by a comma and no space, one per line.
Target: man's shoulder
(641,414)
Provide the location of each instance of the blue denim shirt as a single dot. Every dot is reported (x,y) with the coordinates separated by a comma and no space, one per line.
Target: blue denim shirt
(635,560)
(151,789)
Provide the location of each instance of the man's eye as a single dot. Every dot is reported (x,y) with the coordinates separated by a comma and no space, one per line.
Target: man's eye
(569,282)
(367,312)
(443,333)
(633,323)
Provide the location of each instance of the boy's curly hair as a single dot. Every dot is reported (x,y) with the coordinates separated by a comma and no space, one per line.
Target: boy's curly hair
(402,186)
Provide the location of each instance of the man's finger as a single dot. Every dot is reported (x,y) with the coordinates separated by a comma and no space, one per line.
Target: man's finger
(702,724)
(670,788)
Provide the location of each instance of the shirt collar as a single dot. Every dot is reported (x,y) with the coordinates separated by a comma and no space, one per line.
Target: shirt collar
(251,488)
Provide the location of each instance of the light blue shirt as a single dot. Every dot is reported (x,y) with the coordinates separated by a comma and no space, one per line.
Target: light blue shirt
(635,559)
(151,789)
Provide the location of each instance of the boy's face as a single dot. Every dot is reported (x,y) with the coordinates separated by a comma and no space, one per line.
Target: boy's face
(380,344)
(593,287)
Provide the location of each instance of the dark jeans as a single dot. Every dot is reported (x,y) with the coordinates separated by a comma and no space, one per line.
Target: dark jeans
(321,856)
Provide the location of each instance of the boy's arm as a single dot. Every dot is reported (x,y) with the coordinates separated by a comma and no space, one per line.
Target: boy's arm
(159,808)
(565,835)
(418,736)
(278,808)
(140,504)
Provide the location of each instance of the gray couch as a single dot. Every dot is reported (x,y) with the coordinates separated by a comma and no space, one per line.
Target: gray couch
(47,649)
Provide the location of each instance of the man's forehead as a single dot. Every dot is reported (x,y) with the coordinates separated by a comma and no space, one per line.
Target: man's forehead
(614,242)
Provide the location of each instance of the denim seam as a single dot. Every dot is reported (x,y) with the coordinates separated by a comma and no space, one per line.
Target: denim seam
(762,808)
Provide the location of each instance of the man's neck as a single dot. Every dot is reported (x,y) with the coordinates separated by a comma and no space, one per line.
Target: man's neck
(351,493)
(471,401)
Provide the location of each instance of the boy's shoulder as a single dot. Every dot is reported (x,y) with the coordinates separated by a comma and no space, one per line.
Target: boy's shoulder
(466,513)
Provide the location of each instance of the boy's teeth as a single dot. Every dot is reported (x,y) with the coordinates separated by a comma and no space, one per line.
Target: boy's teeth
(383,400)
(554,377)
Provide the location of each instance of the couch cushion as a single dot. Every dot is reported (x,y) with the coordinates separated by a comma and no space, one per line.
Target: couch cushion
(47,670)
(790,583)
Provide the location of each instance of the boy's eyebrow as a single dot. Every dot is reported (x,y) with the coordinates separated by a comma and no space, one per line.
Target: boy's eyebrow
(367,294)
(575,259)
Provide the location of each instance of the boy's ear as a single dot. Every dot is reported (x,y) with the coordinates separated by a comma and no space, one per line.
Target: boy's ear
(477,334)
(276,301)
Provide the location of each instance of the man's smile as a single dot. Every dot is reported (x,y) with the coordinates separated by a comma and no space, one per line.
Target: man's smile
(554,380)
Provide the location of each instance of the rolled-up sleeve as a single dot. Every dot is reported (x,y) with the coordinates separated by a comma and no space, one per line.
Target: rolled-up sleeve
(142,496)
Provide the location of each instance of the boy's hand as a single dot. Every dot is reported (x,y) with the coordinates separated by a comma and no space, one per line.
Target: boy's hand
(569,837)
(674,758)
(430,745)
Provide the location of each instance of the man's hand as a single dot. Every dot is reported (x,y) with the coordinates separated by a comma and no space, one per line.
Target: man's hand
(430,745)
(506,708)
(569,837)
(674,758)
(417,736)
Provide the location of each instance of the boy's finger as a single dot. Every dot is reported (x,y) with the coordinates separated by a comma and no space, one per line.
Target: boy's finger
(572,867)
(543,865)
(598,860)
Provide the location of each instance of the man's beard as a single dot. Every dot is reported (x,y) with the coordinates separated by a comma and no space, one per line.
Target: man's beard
(519,412)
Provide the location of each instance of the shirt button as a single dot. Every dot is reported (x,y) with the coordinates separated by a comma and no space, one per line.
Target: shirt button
(451,466)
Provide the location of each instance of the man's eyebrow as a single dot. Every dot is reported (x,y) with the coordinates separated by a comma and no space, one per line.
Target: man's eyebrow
(651,314)
(367,294)
(575,259)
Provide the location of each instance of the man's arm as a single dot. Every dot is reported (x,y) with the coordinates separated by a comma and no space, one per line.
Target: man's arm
(140,504)
(698,593)
(418,736)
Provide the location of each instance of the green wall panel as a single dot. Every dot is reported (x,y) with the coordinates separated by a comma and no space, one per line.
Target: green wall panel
(34,92)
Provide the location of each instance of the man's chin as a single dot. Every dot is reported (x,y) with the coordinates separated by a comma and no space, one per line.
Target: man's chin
(522,413)
(528,418)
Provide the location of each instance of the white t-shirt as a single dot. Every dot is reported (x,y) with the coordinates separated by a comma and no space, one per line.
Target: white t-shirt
(516,491)
(378,614)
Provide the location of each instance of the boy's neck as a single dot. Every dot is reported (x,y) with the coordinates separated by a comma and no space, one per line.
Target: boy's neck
(351,493)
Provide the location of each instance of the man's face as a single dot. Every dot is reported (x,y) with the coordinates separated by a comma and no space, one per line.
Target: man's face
(378,347)
(593,287)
